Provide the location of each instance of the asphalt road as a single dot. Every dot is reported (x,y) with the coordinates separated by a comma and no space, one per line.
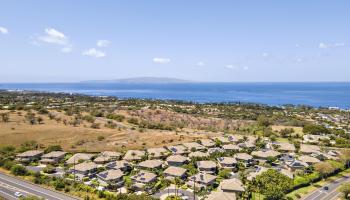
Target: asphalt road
(9,185)
(331,193)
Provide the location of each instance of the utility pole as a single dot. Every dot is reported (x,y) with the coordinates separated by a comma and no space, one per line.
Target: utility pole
(194,188)
(74,168)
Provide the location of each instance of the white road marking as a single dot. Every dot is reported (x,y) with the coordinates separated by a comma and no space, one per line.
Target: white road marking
(40,192)
(8,195)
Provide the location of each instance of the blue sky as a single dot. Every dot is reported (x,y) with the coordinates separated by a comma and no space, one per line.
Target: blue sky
(47,41)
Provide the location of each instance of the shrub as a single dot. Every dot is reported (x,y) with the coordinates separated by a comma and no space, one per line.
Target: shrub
(19,170)
(100,138)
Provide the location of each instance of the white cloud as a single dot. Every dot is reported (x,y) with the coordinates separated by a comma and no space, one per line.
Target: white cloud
(4,30)
(231,66)
(54,36)
(299,60)
(103,43)
(66,49)
(297,45)
(339,44)
(161,60)
(94,53)
(200,64)
(323,45)
(264,54)
(245,68)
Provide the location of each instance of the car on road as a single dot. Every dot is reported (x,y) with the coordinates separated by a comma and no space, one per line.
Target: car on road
(18,194)
(326,188)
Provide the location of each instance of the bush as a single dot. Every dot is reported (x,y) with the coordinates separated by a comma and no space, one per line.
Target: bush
(53,148)
(95,125)
(100,138)
(19,170)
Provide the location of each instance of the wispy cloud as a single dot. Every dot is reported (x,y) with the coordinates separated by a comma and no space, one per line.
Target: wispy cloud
(161,60)
(66,49)
(3,30)
(54,37)
(323,45)
(264,54)
(103,43)
(200,64)
(230,66)
(236,67)
(94,53)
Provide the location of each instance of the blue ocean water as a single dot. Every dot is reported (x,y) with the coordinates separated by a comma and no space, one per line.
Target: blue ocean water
(314,94)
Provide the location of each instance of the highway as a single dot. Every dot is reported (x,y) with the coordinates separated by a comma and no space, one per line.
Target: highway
(9,185)
(330,194)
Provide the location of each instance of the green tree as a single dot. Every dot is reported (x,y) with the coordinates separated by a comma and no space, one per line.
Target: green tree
(345,156)
(273,184)
(263,121)
(324,168)
(18,170)
(225,173)
(345,189)
(53,148)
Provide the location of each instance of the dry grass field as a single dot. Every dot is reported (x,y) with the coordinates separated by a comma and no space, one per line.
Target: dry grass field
(297,130)
(84,138)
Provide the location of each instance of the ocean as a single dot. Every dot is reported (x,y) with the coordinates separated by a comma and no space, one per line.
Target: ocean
(313,94)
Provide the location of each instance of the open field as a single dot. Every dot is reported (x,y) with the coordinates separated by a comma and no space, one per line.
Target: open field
(83,137)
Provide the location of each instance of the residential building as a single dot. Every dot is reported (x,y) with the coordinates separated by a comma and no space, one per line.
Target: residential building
(201,180)
(134,155)
(53,157)
(227,163)
(29,156)
(206,166)
(157,153)
(112,177)
(176,160)
(122,165)
(150,164)
(142,179)
(172,172)
(79,157)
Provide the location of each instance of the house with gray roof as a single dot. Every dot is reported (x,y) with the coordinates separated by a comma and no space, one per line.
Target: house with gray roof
(193,146)
(53,157)
(198,154)
(176,160)
(178,150)
(206,166)
(150,164)
(172,172)
(157,153)
(29,156)
(134,155)
(142,179)
(122,165)
(85,169)
(201,180)
(112,177)
(79,157)
(207,143)
(227,163)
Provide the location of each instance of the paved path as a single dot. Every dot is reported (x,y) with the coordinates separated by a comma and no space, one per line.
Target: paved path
(164,193)
(9,185)
(330,194)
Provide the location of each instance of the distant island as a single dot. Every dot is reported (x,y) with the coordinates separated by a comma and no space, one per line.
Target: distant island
(141,80)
